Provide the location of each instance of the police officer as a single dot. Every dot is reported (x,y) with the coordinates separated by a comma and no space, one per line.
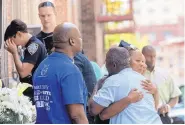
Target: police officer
(16,35)
(47,15)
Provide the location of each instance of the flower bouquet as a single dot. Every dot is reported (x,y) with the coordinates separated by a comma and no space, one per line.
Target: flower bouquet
(15,108)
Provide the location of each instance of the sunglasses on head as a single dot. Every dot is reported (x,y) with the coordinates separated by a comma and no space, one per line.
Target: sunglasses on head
(46,4)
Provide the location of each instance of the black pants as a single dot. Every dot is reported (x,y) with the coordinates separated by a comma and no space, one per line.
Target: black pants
(165,119)
(29,91)
(168,120)
(177,120)
(99,121)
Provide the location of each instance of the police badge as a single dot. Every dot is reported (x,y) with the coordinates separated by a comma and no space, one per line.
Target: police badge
(32,48)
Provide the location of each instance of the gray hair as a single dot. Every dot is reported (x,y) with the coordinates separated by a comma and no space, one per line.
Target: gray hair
(118,56)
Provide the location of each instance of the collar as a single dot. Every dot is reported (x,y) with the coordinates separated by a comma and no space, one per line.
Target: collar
(151,71)
(125,70)
(33,38)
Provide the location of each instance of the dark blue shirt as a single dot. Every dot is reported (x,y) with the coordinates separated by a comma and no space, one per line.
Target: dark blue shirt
(34,53)
(46,39)
(82,62)
(57,83)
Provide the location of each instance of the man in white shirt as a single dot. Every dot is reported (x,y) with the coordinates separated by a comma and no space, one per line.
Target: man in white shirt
(122,80)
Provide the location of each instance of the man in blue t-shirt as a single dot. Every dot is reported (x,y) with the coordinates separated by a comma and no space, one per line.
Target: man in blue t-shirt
(59,91)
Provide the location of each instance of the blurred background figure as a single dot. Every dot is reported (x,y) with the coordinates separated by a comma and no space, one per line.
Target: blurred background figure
(97,70)
(168,91)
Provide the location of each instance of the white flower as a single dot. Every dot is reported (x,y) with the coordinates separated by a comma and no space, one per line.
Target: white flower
(8,105)
(15,109)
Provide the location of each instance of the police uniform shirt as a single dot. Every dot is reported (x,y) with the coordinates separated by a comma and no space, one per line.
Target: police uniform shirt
(34,53)
(46,39)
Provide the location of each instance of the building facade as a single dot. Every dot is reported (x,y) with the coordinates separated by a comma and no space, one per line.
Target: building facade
(141,19)
(170,56)
(159,19)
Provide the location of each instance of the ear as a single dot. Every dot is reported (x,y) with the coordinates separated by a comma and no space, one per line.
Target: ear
(19,34)
(71,42)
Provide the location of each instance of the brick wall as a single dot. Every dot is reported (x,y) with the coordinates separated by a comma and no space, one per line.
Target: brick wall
(61,9)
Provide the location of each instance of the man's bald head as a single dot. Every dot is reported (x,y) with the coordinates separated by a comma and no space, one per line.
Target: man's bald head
(63,32)
(67,34)
(150,56)
(117,58)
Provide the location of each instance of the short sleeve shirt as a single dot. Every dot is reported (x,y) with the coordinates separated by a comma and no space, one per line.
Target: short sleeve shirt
(57,83)
(117,87)
(165,84)
(34,53)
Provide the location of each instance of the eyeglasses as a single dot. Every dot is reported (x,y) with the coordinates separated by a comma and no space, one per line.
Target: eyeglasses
(46,4)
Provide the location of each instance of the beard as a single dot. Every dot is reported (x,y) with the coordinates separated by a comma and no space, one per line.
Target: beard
(150,66)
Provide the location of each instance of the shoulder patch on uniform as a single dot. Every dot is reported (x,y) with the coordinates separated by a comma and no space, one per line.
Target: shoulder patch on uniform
(32,48)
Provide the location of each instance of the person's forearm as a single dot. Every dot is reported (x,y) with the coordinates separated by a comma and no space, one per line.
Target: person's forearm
(173,101)
(93,107)
(156,100)
(93,93)
(18,63)
(115,108)
(80,120)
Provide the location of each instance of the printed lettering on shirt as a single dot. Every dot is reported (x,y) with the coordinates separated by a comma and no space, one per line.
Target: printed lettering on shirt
(41,87)
(44,71)
(36,98)
(42,96)
(40,104)
(37,92)
(32,48)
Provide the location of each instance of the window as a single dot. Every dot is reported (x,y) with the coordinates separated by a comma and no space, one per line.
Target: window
(168,35)
(116,7)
